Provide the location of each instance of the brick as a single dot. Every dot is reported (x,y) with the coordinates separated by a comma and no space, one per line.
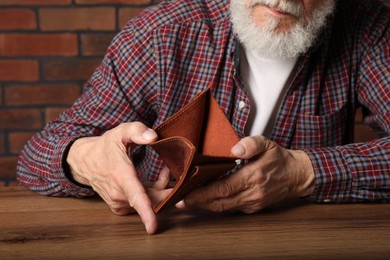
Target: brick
(131,2)
(69,69)
(52,113)
(63,44)
(19,70)
(95,44)
(8,167)
(18,140)
(17,19)
(73,19)
(27,119)
(35,2)
(25,95)
(126,13)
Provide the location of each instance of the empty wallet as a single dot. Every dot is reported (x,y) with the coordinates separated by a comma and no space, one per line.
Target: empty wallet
(195,145)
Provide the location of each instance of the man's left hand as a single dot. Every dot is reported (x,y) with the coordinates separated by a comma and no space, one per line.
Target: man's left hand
(272,174)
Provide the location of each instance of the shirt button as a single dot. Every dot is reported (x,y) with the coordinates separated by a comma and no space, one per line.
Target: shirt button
(241,104)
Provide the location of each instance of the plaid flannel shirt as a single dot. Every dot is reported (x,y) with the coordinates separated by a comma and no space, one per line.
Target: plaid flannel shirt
(161,59)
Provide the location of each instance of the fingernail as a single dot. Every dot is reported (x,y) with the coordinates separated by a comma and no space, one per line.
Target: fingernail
(180,205)
(147,227)
(149,135)
(238,150)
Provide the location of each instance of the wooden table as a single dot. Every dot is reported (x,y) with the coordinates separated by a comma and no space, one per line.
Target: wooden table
(37,227)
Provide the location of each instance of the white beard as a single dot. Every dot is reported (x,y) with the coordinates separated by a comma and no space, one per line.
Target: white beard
(271,44)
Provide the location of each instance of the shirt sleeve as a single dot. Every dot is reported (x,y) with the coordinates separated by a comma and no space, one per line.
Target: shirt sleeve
(114,94)
(361,171)
(353,173)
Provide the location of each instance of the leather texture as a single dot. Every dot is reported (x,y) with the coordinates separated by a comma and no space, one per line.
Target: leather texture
(195,145)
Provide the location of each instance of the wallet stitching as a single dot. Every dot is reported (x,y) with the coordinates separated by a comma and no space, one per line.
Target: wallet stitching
(176,193)
(171,139)
(162,204)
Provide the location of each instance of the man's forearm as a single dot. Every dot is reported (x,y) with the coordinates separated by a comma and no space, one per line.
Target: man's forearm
(41,167)
(352,173)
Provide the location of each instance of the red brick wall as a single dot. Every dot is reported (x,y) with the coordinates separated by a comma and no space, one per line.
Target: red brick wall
(48,49)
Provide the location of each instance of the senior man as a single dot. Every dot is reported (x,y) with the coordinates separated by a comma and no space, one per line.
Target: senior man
(289,75)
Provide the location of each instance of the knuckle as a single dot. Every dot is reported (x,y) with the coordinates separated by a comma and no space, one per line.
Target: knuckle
(120,210)
(250,210)
(136,126)
(217,206)
(115,197)
(115,208)
(133,201)
(257,197)
(259,144)
(252,177)
(253,203)
(224,189)
(137,198)
(125,128)
(118,203)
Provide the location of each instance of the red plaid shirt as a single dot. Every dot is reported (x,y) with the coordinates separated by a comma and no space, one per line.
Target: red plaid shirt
(162,58)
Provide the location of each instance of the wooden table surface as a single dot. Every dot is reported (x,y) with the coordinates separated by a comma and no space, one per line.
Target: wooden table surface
(38,227)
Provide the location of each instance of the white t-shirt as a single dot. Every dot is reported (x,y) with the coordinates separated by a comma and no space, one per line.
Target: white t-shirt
(266,81)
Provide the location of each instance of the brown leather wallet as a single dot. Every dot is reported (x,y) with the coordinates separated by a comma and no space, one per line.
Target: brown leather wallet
(195,145)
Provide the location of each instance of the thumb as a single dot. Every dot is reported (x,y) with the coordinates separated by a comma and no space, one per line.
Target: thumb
(137,132)
(251,146)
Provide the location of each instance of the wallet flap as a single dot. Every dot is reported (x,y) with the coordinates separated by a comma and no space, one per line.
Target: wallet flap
(199,175)
(204,124)
(187,122)
(177,154)
(218,134)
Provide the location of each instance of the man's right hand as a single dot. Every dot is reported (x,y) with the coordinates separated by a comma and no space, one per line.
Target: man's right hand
(103,163)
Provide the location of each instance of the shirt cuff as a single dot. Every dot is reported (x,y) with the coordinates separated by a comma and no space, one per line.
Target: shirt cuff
(333,182)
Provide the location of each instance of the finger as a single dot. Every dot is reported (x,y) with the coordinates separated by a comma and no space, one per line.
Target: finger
(139,200)
(251,146)
(156,196)
(247,201)
(136,132)
(181,205)
(163,179)
(221,188)
(114,198)
(121,209)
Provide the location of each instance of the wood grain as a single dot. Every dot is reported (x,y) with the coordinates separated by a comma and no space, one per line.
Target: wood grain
(38,227)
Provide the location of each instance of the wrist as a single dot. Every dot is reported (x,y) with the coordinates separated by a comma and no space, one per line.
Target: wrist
(302,184)
(73,162)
